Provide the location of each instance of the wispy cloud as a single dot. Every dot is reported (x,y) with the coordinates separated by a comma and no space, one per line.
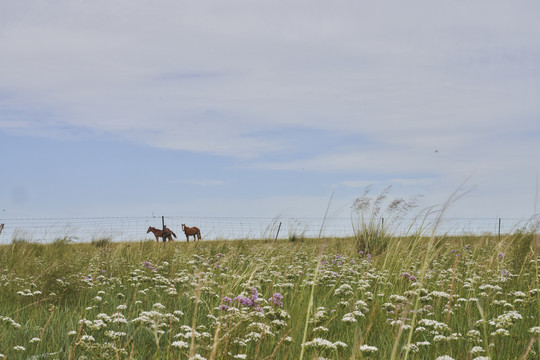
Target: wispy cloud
(385,182)
(202,182)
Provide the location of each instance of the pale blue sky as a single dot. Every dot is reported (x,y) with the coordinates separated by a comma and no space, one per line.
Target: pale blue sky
(251,108)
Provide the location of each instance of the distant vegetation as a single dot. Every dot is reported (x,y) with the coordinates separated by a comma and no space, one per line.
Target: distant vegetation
(372,296)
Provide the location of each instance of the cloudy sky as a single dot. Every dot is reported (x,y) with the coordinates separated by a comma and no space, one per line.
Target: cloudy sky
(267,108)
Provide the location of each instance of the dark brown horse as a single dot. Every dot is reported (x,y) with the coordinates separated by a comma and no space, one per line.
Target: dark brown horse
(192,231)
(158,233)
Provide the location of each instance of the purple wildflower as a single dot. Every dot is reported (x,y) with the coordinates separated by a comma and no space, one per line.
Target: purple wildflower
(244,301)
(149,266)
(501,255)
(224,307)
(276,299)
(413,278)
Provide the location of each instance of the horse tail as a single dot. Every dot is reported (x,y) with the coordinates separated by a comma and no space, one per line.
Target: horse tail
(172,232)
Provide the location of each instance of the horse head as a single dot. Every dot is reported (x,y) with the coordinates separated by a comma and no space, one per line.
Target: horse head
(183,226)
(149,229)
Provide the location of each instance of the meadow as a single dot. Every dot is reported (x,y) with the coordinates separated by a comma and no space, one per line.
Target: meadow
(384,297)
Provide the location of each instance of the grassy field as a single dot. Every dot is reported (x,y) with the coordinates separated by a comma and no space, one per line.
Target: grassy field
(463,297)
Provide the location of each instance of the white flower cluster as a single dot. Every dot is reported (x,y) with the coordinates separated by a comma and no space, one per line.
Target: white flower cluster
(323,344)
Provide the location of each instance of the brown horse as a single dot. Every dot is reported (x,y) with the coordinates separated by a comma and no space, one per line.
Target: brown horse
(192,231)
(158,233)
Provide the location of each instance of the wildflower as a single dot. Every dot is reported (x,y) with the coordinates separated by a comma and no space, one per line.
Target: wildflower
(224,307)
(149,266)
(158,306)
(501,332)
(501,255)
(34,340)
(19,348)
(240,356)
(444,357)
(180,344)
(410,347)
(368,349)
(348,318)
(115,334)
(535,330)
(320,344)
(244,300)
(276,299)
(197,357)
(87,338)
(321,329)
(506,320)
(440,338)
(344,290)
(477,349)
(434,324)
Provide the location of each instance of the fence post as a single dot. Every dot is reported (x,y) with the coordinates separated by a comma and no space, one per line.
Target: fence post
(499,229)
(279,227)
(163,224)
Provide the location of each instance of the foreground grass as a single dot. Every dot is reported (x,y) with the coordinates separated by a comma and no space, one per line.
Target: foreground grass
(460,297)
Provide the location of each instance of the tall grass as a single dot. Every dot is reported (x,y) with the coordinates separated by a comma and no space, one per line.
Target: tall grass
(418,296)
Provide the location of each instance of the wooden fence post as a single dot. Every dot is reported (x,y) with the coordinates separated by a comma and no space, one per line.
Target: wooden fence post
(163,233)
(499,229)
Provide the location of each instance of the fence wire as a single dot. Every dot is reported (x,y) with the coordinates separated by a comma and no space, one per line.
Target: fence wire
(126,229)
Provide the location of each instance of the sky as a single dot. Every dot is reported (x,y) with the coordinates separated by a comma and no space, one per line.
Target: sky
(267,108)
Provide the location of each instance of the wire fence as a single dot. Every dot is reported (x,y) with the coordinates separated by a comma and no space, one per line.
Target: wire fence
(126,229)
